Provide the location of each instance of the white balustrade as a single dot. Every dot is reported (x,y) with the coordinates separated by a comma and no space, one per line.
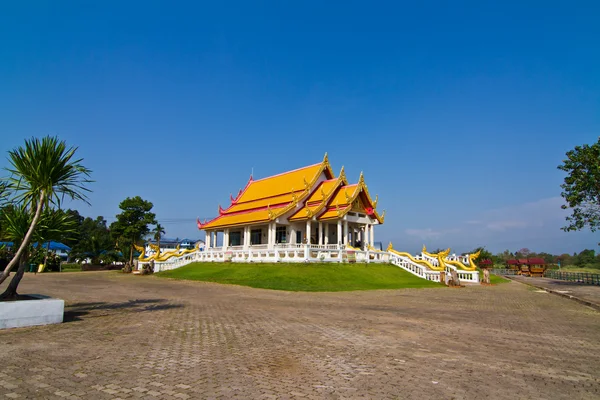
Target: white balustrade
(297,253)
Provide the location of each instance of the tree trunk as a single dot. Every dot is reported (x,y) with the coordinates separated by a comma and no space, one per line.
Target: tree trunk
(26,239)
(131,254)
(46,256)
(11,290)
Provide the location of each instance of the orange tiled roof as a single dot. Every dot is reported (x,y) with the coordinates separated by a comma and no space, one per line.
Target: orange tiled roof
(277,194)
(318,198)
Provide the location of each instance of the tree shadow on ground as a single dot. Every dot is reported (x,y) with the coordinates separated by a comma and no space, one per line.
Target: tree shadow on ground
(77,311)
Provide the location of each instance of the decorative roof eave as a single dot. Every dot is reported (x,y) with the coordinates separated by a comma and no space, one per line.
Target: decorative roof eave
(341,181)
(361,187)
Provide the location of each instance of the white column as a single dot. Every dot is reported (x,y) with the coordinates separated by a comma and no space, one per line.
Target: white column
(246,234)
(366,241)
(320,233)
(207,239)
(326,233)
(308,231)
(214,241)
(292,239)
(345,232)
(372,235)
(225,239)
(269,236)
(339,232)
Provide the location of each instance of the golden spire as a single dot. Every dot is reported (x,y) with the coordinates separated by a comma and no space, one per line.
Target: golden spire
(342,174)
(361,178)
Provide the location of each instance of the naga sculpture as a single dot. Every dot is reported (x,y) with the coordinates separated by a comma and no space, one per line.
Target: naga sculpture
(423,263)
(443,260)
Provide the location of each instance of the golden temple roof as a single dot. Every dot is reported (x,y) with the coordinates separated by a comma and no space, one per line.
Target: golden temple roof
(266,199)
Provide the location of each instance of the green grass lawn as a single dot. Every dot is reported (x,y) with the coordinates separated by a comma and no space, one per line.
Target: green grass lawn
(495,279)
(302,277)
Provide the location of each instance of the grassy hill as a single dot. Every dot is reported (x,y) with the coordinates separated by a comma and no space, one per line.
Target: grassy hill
(302,277)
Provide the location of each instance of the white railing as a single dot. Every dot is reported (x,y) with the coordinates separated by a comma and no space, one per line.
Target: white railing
(415,269)
(297,253)
(466,276)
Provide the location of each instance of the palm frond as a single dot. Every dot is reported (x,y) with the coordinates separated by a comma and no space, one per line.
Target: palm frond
(47,166)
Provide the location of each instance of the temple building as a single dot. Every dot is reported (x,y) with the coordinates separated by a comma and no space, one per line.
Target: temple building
(309,206)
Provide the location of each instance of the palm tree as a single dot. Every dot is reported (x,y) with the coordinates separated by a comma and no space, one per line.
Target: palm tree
(43,173)
(158,231)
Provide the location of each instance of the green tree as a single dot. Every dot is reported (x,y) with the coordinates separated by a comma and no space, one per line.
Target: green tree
(94,241)
(484,255)
(78,218)
(16,220)
(132,223)
(585,258)
(158,231)
(581,188)
(523,253)
(42,174)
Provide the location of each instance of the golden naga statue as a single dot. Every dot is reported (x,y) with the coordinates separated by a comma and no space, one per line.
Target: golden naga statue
(442,259)
(423,263)
(164,256)
(142,252)
(154,247)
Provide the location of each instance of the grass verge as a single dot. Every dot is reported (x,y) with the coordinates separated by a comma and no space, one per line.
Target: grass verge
(311,277)
(495,279)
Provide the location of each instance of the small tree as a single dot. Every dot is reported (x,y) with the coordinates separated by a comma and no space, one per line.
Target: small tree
(158,231)
(43,172)
(581,189)
(16,220)
(132,223)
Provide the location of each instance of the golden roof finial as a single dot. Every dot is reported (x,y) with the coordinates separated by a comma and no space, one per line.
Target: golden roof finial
(306,184)
(390,247)
(342,174)
(323,195)
(424,250)
(337,208)
(382,216)
(376,200)
(361,178)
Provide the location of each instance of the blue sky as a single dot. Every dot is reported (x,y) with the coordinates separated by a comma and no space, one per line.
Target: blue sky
(457,112)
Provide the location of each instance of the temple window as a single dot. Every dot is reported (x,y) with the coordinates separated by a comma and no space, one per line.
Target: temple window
(280,234)
(255,236)
(235,238)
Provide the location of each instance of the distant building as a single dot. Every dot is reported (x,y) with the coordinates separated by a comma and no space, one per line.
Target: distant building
(168,244)
(60,249)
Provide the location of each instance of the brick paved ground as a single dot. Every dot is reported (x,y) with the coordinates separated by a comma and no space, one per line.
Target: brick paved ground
(590,293)
(143,337)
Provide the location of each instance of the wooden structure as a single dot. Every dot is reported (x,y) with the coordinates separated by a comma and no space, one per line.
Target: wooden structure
(537,267)
(528,267)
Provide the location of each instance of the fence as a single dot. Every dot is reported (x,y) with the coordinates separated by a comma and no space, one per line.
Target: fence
(579,277)
(503,271)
